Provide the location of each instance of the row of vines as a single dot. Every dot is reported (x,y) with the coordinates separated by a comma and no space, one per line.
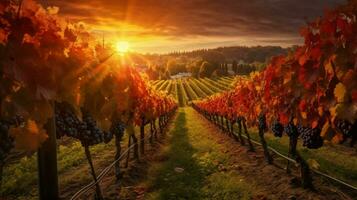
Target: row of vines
(55,81)
(190,89)
(309,94)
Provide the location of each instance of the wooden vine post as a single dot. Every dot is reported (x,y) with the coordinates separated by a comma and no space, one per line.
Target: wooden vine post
(239,123)
(292,150)
(268,158)
(243,122)
(262,127)
(142,136)
(228,128)
(47,163)
(232,127)
(118,138)
(231,130)
(306,179)
(131,132)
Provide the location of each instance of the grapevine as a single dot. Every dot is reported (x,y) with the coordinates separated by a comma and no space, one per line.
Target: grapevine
(51,71)
(306,90)
(277,128)
(311,137)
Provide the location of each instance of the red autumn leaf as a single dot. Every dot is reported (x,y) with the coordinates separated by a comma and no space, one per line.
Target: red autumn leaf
(302,105)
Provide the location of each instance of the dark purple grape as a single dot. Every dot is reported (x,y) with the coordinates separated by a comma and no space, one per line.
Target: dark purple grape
(118,128)
(311,137)
(291,130)
(345,127)
(85,130)
(277,128)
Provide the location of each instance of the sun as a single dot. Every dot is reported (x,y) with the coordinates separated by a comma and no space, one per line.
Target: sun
(122,47)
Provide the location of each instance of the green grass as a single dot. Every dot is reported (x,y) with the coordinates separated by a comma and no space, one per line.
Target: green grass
(335,160)
(21,178)
(199,157)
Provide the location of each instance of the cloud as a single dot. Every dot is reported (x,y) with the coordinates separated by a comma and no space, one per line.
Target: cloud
(180,19)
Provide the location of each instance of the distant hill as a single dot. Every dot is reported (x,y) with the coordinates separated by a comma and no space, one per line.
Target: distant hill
(246,54)
(208,62)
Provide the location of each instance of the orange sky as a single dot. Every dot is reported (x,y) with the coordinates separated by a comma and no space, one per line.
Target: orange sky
(159,26)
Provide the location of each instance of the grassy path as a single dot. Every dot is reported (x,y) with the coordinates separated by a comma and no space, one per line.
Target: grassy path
(192,166)
(197,161)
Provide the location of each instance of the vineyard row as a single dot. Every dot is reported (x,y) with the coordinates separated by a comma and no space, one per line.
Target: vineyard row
(186,90)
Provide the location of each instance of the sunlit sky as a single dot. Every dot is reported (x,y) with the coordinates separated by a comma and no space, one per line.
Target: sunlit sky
(160,26)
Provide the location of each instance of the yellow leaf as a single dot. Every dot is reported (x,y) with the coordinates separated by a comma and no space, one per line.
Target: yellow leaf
(303,115)
(329,68)
(333,112)
(295,121)
(325,129)
(340,92)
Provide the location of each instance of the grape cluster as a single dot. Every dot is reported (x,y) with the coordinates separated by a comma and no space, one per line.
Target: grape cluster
(92,134)
(262,122)
(86,131)
(345,127)
(6,140)
(348,130)
(67,122)
(277,128)
(118,129)
(291,130)
(311,137)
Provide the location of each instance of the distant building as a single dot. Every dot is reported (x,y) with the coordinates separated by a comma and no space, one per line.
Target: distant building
(181,75)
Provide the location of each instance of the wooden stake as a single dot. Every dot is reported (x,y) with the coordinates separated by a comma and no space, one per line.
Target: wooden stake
(47,164)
